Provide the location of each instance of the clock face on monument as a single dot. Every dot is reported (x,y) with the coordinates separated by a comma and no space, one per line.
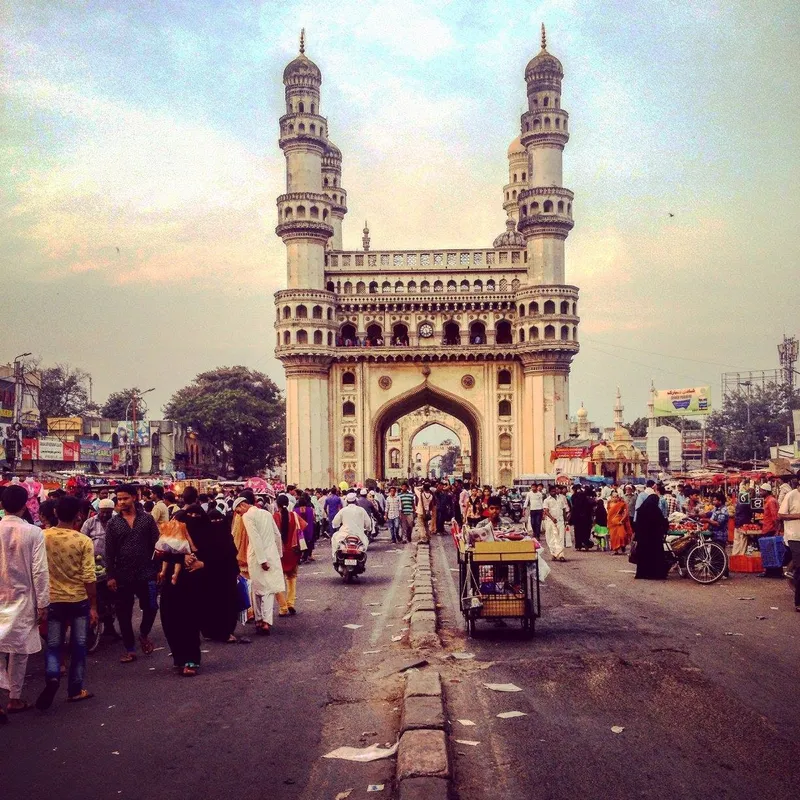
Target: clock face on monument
(426,330)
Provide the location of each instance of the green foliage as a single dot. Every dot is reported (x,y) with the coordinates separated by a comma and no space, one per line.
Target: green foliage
(64,393)
(239,411)
(448,462)
(753,422)
(117,404)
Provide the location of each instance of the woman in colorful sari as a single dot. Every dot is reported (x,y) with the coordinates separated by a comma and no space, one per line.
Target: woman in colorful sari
(291,527)
(619,524)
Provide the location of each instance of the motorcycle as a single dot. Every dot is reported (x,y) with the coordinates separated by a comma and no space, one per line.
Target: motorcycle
(351,558)
(515,508)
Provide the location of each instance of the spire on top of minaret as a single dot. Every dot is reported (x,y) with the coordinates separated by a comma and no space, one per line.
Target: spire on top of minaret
(618,409)
(303,39)
(365,237)
(544,38)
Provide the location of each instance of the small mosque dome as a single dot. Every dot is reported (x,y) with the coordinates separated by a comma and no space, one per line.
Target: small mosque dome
(510,237)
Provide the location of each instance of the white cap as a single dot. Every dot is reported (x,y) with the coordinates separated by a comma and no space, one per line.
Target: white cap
(238,501)
(766,487)
(105,504)
(364,492)
(351,497)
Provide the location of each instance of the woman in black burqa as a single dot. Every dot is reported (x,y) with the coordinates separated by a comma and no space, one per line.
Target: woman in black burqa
(220,602)
(650,529)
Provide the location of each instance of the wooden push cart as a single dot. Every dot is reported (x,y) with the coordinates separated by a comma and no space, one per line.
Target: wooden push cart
(499,580)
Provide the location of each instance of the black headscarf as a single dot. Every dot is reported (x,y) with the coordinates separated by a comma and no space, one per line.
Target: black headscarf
(283,507)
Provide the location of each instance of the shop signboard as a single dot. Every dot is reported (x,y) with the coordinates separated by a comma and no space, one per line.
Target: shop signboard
(93,450)
(682,402)
(51,448)
(125,432)
(71,451)
(7,396)
(30,450)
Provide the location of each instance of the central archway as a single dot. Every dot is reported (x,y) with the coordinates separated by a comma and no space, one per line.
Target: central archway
(425,395)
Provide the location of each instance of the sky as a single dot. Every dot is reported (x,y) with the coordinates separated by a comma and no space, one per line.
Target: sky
(141,166)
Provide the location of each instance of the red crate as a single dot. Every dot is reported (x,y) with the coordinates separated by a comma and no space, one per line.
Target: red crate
(746,564)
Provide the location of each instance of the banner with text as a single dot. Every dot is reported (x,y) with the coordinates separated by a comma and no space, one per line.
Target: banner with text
(99,452)
(682,402)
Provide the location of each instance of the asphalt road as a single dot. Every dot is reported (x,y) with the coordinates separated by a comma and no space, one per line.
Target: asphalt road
(254,723)
(702,680)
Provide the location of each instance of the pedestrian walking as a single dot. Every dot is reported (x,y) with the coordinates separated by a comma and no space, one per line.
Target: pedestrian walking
(619,524)
(291,528)
(393,512)
(534,502)
(261,540)
(553,521)
(650,529)
(789,512)
(24,596)
(73,602)
(426,506)
(131,538)
(95,529)
(407,503)
(220,602)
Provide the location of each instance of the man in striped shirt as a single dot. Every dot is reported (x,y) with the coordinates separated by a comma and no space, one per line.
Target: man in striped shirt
(407,503)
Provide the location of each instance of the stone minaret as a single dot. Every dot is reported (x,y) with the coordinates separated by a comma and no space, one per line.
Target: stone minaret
(308,215)
(545,220)
(517,178)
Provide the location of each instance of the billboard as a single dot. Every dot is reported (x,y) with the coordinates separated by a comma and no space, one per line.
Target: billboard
(125,433)
(682,402)
(99,452)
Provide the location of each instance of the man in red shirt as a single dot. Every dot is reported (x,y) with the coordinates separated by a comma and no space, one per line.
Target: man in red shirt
(770,526)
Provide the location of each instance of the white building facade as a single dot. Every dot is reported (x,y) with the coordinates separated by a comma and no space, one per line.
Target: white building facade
(366,337)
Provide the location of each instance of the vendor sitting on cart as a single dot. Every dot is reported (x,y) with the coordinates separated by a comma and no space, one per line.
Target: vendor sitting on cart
(492,520)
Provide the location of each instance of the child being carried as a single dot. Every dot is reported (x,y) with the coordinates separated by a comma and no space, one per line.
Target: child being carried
(174,540)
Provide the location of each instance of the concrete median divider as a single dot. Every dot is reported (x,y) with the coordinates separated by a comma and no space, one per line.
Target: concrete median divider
(424,769)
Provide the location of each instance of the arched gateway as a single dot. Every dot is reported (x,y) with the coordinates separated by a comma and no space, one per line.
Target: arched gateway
(485,335)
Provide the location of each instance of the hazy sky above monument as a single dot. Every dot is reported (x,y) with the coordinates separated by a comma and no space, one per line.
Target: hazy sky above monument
(141,170)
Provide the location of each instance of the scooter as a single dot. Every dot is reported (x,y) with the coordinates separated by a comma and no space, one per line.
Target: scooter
(351,558)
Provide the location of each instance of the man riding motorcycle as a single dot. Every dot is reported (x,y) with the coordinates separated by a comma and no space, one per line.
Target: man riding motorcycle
(352,520)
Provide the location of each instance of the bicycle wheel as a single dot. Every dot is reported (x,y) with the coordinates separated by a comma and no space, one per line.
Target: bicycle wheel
(706,562)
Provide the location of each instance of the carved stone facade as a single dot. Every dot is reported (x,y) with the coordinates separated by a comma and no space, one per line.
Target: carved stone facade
(483,335)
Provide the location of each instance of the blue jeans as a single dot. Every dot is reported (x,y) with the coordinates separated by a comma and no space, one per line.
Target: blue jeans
(59,615)
(394,528)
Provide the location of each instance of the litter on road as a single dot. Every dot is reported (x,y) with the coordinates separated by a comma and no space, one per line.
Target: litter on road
(511,714)
(617,729)
(397,638)
(344,795)
(466,722)
(352,626)
(462,656)
(469,742)
(363,754)
(375,787)
(502,687)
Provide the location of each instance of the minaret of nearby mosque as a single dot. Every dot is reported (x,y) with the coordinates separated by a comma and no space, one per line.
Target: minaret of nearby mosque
(309,216)
(618,409)
(547,306)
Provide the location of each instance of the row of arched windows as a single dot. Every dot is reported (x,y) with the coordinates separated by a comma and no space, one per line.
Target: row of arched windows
(301,337)
(548,124)
(451,334)
(301,312)
(546,102)
(549,308)
(301,128)
(549,333)
(547,208)
(425,286)
(301,108)
(524,177)
(300,213)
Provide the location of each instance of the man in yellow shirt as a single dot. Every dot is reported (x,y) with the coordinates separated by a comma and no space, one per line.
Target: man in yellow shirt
(73,601)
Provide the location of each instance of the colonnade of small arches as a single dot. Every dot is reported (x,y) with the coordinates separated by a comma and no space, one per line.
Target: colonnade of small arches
(300,212)
(547,207)
(425,286)
(301,312)
(557,123)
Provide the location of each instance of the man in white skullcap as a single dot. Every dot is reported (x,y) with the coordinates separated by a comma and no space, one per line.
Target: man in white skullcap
(352,520)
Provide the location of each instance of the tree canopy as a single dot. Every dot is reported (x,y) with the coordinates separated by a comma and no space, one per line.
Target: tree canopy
(448,462)
(751,423)
(117,405)
(239,411)
(64,393)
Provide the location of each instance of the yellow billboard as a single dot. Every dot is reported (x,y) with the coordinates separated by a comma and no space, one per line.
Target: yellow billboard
(682,402)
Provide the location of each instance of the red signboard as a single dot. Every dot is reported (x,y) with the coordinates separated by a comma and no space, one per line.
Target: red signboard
(30,449)
(72,451)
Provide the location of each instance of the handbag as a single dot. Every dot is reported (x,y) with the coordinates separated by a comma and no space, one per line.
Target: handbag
(242,593)
(633,558)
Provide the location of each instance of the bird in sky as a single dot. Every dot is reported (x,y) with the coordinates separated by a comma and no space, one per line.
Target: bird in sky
(669,212)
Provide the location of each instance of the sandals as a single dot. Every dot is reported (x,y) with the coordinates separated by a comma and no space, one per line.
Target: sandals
(85,694)
(128,658)
(190,670)
(19,709)
(147,645)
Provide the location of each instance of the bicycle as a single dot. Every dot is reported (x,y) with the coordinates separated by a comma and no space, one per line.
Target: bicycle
(695,555)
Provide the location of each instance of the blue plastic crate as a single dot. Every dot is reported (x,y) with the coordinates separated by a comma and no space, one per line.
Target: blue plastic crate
(772,551)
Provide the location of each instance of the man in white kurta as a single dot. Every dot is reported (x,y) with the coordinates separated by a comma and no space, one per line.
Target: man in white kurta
(24,594)
(553,522)
(263,561)
(352,520)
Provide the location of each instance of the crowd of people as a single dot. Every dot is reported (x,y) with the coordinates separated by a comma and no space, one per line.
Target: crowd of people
(206,561)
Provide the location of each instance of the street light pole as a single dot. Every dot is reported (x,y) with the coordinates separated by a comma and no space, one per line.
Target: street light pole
(19,382)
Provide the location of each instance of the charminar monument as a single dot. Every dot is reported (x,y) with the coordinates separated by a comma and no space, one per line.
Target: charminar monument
(482,335)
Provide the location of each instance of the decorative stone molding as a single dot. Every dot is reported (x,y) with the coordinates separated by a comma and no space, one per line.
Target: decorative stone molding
(304,229)
(468,381)
(385,382)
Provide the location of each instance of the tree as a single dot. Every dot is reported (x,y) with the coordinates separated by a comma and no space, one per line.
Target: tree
(116,406)
(63,393)
(239,411)
(750,423)
(448,462)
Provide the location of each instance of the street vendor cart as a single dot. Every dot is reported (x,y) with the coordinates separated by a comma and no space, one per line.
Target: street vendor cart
(499,580)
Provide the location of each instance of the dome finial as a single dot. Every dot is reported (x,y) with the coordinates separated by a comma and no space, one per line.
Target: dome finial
(544,38)
(303,40)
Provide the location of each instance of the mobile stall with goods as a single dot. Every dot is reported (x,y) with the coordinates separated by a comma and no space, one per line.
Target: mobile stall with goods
(498,578)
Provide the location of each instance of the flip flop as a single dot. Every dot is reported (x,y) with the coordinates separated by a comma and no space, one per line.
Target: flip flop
(244,640)
(79,698)
(147,646)
(18,710)
(189,671)
(45,699)
(128,658)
